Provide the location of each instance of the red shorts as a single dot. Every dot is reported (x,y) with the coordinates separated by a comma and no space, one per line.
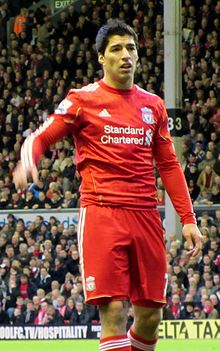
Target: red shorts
(122,254)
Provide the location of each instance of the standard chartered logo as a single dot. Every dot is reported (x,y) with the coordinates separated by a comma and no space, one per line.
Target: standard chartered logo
(126,135)
(148,137)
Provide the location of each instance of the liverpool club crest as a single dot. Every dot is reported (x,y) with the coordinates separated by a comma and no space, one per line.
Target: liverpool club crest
(90,283)
(147,115)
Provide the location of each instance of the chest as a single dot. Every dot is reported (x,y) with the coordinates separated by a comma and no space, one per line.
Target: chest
(119,121)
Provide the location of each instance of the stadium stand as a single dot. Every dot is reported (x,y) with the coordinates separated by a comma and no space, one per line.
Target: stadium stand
(40,61)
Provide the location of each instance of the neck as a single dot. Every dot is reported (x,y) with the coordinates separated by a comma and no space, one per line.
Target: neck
(125,85)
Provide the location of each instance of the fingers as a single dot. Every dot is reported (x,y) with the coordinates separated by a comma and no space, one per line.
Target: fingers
(193,239)
(198,245)
(189,244)
(20,178)
(35,174)
(196,251)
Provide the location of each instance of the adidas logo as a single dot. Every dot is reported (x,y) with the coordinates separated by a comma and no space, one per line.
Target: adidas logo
(104,113)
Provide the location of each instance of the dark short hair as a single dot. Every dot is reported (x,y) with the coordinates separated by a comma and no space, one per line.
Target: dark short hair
(110,29)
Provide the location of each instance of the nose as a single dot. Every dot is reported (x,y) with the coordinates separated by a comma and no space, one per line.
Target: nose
(125,53)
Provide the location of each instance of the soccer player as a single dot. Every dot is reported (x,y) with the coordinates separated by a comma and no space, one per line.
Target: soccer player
(119,129)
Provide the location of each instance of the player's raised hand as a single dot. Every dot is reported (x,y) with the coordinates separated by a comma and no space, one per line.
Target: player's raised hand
(193,239)
(20,176)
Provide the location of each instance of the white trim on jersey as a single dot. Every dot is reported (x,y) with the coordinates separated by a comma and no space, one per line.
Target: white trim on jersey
(80,234)
(145,91)
(89,87)
(114,344)
(26,153)
(27,147)
(44,126)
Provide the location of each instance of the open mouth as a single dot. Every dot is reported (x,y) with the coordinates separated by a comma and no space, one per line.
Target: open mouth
(126,66)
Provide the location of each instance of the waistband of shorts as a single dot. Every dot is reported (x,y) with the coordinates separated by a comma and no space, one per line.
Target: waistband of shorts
(139,209)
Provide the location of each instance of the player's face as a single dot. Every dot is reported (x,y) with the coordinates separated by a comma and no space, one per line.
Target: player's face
(119,61)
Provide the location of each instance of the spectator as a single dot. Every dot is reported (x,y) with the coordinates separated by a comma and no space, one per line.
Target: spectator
(44,279)
(215,302)
(56,200)
(26,287)
(23,255)
(54,294)
(69,173)
(53,235)
(61,307)
(203,198)
(194,190)
(215,195)
(42,314)
(181,276)
(73,263)
(59,271)
(10,295)
(192,172)
(80,314)
(60,163)
(29,314)
(30,201)
(175,306)
(209,160)
(206,179)
(70,305)
(37,188)
(187,312)
(4,272)
(208,311)
(76,296)
(17,202)
(197,313)
(17,317)
(20,22)
(67,287)
(15,314)
(43,202)
(52,317)
(216,281)
(69,200)
(9,250)
(4,319)
(41,295)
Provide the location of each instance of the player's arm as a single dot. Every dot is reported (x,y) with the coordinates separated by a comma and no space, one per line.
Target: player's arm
(174,181)
(175,184)
(53,129)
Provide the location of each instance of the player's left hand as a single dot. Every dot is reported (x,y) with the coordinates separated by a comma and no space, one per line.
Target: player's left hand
(193,239)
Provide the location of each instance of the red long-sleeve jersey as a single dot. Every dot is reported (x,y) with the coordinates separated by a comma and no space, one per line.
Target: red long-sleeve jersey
(118,134)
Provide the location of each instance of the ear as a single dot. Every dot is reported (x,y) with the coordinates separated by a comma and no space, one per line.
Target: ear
(101,59)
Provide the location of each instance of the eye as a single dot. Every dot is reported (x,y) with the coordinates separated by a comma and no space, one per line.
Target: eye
(131,48)
(115,48)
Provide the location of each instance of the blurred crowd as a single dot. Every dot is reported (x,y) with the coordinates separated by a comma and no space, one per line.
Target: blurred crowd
(40,280)
(40,60)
